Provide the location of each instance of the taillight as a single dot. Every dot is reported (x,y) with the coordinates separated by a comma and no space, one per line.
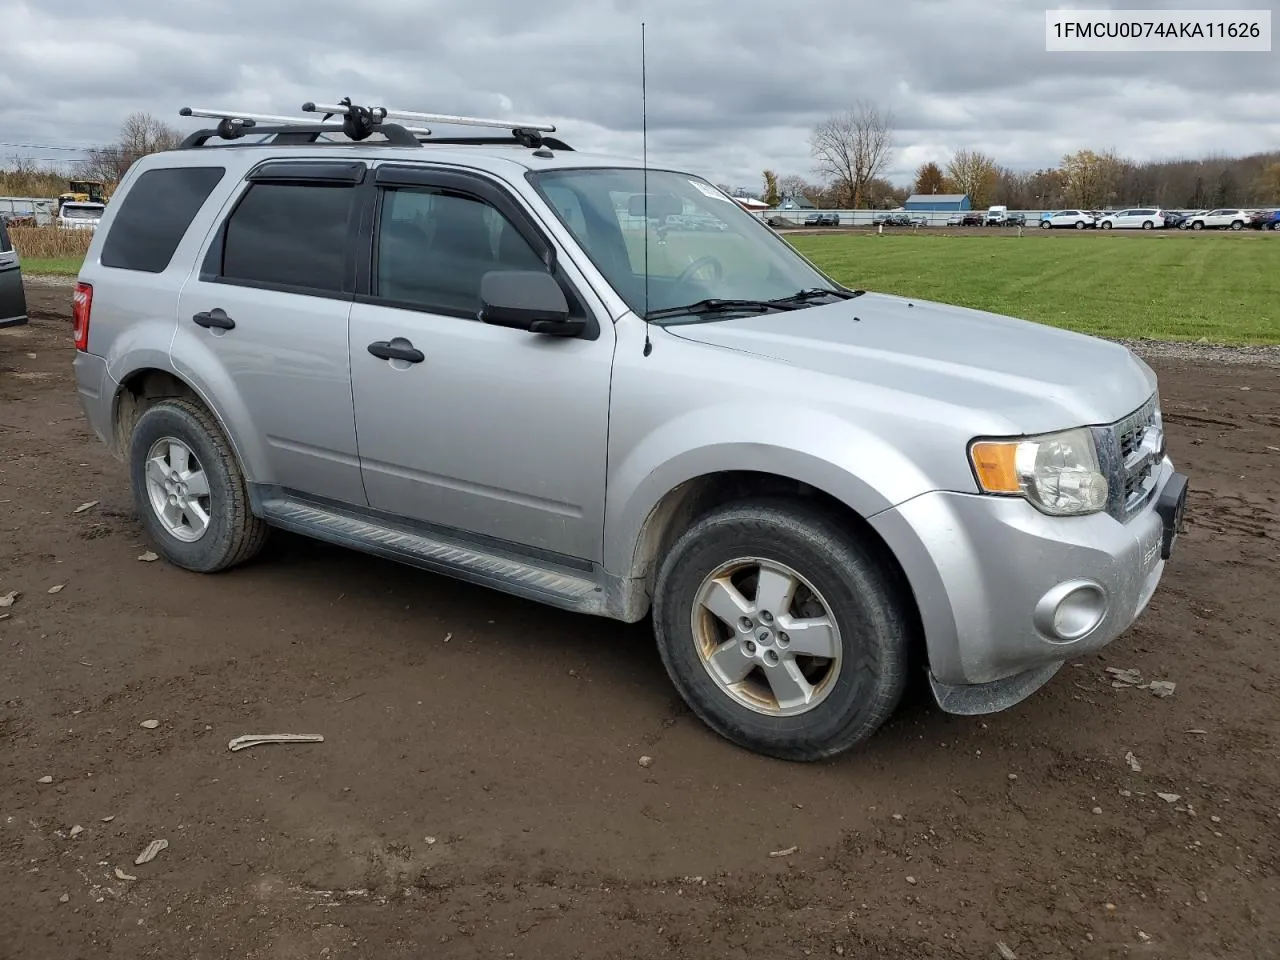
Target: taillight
(81,304)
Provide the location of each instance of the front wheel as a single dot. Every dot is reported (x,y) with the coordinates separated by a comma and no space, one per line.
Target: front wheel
(189,490)
(1106,225)
(1046,225)
(1198,225)
(782,632)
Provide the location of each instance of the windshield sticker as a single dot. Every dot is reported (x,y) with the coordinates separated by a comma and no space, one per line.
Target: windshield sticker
(711,192)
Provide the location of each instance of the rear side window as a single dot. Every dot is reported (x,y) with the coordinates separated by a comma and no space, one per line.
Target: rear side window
(5,245)
(289,235)
(154,216)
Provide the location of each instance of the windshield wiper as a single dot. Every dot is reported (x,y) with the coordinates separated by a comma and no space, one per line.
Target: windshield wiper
(815,292)
(714,305)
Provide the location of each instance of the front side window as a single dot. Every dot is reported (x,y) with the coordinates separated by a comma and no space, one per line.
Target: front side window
(696,244)
(434,246)
(291,235)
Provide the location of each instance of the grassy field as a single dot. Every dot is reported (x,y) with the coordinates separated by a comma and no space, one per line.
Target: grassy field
(52,266)
(1172,286)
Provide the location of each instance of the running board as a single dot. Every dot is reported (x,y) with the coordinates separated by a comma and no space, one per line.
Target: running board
(448,556)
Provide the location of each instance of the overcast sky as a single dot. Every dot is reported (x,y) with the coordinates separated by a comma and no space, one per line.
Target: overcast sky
(734,85)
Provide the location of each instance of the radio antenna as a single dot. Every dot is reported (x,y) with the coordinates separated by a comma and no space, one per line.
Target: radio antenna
(644,141)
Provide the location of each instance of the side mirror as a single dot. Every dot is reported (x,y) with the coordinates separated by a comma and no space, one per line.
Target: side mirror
(526,300)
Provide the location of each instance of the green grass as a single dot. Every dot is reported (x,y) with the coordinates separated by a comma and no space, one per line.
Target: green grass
(56,266)
(1174,286)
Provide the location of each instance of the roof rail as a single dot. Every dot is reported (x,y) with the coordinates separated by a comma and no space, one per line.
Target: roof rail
(527,133)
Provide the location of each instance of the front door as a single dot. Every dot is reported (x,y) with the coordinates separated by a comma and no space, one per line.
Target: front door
(264,324)
(13,299)
(494,433)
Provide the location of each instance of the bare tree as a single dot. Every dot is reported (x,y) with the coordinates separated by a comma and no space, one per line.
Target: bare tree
(140,134)
(974,173)
(852,148)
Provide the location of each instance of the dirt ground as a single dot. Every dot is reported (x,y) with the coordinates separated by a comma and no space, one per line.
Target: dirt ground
(478,792)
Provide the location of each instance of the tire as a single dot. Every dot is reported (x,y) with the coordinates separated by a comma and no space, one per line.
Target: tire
(852,693)
(1198,225)
(1148,225)
(1106,225)
(1237,225)
(1046,225)
(231,534)
(1079,224)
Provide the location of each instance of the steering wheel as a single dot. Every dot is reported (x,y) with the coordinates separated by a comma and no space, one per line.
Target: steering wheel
(687,274)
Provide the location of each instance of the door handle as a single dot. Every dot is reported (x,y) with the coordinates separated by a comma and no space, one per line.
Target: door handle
(216,317)
(385,350)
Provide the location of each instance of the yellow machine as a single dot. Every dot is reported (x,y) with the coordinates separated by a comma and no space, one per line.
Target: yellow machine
(84,191)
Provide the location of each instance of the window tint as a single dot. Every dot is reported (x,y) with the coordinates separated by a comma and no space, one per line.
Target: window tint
(290,235)
(433,248)
(155,214)
(5,245)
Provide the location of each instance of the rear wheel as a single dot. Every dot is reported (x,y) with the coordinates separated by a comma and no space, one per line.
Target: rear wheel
(189,490)
(1148,225)
(1079,224)
(1237,224)
(782,632)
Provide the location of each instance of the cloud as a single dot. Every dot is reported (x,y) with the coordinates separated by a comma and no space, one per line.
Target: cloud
(733,87)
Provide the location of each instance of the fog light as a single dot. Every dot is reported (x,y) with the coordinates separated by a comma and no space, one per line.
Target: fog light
(1071,610)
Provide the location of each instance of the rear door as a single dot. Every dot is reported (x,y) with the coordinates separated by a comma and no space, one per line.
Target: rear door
(13,299)
(263,323)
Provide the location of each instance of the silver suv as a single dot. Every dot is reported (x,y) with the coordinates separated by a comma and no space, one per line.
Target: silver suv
(477,356)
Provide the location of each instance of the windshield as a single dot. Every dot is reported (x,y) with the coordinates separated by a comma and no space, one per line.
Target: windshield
(82,213)
(701,244)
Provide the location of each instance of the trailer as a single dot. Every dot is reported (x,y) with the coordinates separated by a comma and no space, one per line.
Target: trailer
(39,211)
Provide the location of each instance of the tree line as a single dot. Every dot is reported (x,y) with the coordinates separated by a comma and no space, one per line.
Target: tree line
(852,150)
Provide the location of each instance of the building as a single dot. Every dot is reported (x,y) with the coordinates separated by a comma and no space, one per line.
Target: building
(943,202)
(798,202)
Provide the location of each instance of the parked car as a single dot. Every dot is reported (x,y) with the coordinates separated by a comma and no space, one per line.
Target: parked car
(969,219)
(1174,218)
(1135,218)
(822,220)
(507,401)
(13,298)
(1265,220)
(1220,219)
(1077,219)
(77,215)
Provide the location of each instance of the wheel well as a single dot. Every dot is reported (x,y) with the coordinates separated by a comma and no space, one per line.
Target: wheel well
(681,507)
(139,391)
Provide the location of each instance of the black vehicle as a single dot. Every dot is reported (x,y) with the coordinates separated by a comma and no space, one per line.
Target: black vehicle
(822,220)
(13,299)
(1174,218)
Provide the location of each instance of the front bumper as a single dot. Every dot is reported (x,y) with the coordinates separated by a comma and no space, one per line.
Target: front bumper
(1007,594)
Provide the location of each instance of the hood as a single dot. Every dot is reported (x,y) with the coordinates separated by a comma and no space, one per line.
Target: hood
(1032,377)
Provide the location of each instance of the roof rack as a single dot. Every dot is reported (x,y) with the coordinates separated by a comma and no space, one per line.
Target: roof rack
(358,123)
(529,134)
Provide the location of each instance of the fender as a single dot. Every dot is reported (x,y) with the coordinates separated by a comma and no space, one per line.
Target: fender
(813,446)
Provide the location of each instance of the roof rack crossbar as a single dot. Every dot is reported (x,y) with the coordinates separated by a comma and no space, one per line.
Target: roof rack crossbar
(527,133)
(237,116)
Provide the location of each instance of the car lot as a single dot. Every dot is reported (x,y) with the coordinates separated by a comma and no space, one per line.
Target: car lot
(510,735)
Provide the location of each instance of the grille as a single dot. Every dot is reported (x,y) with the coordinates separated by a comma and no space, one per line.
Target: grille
(1131,450)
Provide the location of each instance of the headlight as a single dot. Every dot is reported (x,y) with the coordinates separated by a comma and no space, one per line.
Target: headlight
(1057,472)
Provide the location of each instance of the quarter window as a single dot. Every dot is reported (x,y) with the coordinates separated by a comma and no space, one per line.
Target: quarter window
(154,216)
(435,246)
(290,235)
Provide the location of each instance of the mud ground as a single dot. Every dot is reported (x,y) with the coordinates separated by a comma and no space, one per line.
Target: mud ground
(478,791)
